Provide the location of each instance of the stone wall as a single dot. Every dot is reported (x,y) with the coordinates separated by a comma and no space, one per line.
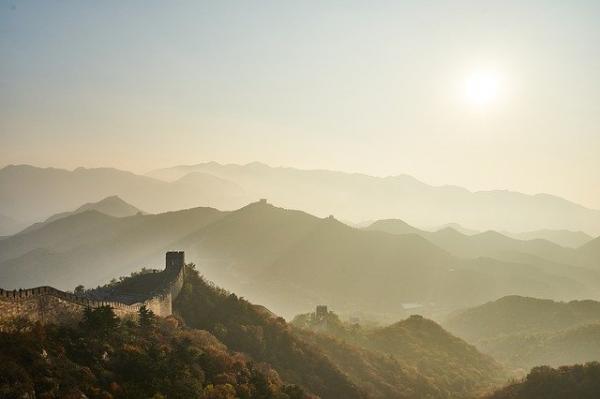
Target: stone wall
(48,304)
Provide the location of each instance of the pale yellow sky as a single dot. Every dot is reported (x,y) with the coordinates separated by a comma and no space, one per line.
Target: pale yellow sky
(354,86)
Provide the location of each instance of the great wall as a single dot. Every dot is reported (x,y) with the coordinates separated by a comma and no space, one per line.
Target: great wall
(48,304)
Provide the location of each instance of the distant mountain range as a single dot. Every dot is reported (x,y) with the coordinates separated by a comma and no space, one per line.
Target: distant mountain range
(8,225)
(566,238)
(29,194)
(488,244)
(591,249)
(111,206)
(356,197)
(290,260)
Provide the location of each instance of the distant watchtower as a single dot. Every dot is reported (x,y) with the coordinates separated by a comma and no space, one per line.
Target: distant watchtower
(175,260)
(321,311)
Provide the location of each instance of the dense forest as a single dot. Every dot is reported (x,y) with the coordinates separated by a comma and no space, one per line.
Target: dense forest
(105,357)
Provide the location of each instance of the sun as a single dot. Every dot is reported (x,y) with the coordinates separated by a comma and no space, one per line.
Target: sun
(482,88)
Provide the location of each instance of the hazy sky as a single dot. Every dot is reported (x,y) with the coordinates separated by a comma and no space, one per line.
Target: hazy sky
(371,86)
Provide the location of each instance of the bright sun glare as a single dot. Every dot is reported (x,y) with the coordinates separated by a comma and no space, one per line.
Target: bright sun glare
(482,88)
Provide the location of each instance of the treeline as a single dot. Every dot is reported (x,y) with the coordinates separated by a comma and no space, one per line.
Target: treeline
(105,357)
(567,382)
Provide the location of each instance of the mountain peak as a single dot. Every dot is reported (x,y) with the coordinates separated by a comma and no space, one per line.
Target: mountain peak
(112,206)
(450,231)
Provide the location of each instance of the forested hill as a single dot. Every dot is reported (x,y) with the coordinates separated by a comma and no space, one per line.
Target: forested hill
(221,347)
(104,357)
(517,314)
(412,358)
(525,332)
(255,331)
(568,382)
(425,345)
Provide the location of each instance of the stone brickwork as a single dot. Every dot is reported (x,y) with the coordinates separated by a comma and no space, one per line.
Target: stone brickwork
(48,304)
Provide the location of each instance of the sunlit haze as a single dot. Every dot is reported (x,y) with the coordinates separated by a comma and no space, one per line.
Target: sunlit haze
(484,95)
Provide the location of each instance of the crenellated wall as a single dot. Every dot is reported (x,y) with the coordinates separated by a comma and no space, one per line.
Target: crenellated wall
(48,304)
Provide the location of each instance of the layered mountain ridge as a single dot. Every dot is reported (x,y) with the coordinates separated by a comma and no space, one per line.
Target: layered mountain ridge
(291,260)
(29,194)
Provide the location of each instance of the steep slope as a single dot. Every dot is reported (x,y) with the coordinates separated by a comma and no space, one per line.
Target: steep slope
(261,335)
(361,197)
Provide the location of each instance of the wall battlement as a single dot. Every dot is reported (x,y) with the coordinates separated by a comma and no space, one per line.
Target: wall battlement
(47,304)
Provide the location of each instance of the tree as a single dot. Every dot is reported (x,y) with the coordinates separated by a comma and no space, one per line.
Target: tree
(102,320)
(79,290)
(147,319)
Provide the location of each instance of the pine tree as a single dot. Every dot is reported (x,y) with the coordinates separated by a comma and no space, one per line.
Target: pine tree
(146,317)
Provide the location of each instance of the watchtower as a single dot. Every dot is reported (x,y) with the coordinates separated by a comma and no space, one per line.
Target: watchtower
(175,260)
(321,311)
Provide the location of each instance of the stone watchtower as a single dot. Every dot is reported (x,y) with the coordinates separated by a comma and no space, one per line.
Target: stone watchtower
(175,260)
(321,312)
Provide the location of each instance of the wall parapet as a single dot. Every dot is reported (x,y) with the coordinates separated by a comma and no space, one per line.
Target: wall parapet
(160,303)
